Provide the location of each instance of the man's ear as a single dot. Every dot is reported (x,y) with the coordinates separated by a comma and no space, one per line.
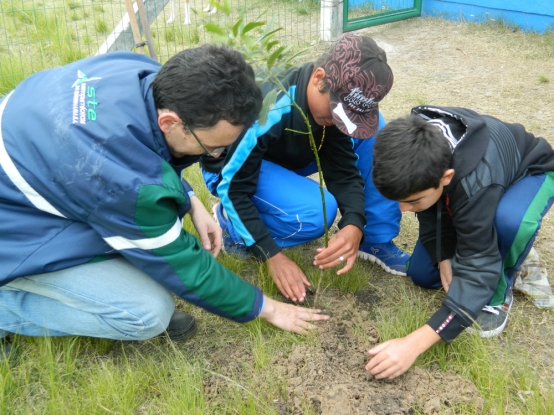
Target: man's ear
(317,77)
(447,177)
(167,119)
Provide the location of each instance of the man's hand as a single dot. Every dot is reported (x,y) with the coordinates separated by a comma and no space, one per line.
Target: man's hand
(394,357)
(210,233)
(288,277)
(343,247)
(290,317)
(445,268)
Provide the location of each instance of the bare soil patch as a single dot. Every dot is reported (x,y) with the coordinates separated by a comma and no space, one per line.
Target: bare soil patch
(331,375)
(327,376)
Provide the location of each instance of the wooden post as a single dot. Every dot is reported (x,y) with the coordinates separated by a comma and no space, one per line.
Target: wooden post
(134,26)
(146,29)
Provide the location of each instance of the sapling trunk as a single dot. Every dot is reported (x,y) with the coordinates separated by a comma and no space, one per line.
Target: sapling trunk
(265,50)
(320,176)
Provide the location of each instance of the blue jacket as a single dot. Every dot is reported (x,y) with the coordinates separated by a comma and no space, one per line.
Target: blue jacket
(86,174)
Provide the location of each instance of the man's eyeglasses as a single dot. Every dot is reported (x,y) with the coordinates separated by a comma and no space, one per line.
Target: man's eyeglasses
(216,152)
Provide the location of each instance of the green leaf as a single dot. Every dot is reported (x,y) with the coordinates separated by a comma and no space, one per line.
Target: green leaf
(270,25)
(271,44)
(268,34)
(269,102)
(236,27)
(225,7)
(252,25)
(214,28)
(250,42)
(274,56)
(296,55)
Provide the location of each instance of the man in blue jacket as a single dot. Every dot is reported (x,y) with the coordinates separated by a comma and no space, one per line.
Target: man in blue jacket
(91,154)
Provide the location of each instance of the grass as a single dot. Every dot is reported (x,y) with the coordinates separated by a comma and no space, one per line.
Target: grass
(229,368)
(55,32)
(100,26)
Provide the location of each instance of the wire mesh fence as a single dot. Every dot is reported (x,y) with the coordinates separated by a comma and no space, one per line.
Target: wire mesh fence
(365,8)
(40,34)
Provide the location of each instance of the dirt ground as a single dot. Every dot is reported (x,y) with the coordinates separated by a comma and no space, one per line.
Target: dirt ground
(501,73)
(330,378)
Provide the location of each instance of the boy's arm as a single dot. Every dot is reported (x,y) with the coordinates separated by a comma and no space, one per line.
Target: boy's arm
(475,273)
(239,180)
(394,357)
(477,265)
(343,179)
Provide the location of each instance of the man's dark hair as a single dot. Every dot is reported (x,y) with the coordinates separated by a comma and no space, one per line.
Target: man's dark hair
(410,155)
(208,84)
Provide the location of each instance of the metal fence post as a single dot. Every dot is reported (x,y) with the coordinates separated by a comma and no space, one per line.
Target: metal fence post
(331,19)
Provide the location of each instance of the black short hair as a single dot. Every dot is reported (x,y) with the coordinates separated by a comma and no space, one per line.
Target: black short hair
(208,84)
(410,155)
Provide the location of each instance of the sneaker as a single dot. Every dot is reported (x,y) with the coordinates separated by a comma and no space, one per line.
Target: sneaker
(391,258)
(229,244)
(493,319)
(5,349)
(181,326)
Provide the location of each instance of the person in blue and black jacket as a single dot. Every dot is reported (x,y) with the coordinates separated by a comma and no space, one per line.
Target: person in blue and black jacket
(92,199)
(267,203)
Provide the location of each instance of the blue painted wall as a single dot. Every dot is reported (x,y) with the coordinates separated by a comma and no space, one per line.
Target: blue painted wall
(537,15)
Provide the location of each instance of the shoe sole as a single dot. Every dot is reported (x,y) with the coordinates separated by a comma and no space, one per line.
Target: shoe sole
(372,258)
(490,333)
(176,336)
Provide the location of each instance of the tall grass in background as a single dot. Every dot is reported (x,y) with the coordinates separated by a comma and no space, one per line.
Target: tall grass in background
(41,34)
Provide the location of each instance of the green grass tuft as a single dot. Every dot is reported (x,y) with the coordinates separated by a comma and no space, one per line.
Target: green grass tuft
(100,26)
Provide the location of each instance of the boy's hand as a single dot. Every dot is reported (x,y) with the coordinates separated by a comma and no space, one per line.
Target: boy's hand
(445,268)
(288,277)
(394,357)
(290,317)
(343,248)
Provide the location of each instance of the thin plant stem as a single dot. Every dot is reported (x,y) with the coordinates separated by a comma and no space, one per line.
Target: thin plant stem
(320,176)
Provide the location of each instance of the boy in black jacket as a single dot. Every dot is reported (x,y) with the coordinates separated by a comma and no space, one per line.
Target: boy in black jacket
(480,188)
